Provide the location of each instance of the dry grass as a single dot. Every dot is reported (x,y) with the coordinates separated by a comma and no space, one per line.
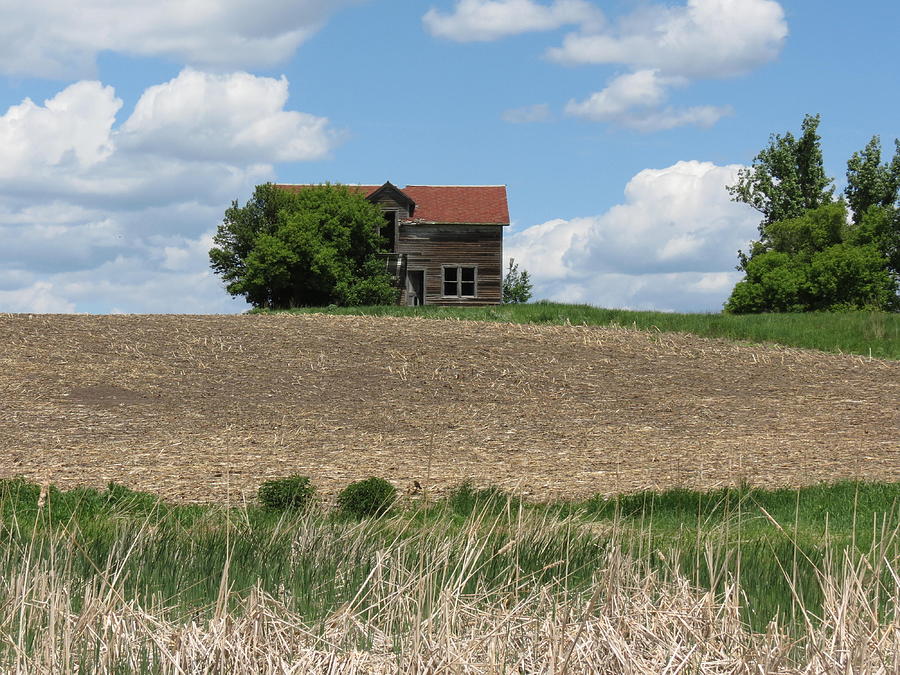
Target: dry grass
(207,408)
(633,620)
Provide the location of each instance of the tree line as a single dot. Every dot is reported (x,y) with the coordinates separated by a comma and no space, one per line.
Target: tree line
(818,251)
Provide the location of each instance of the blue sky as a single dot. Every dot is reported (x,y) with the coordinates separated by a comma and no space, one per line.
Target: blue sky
(128,128)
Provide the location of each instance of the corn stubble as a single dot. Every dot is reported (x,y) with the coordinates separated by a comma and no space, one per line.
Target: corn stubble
(206,408)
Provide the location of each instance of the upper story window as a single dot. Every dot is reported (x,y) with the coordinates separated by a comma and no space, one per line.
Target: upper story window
(389,230)
(460,281)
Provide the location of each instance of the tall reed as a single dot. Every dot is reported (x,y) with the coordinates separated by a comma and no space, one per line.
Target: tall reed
(497,588)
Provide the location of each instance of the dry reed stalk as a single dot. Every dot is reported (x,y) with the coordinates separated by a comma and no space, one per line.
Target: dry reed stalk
(632,621)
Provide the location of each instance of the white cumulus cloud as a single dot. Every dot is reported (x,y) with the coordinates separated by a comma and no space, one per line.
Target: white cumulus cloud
(704,38)
(71,131)
(61,39)
(96,217)
(671,244)
(40,298)
(485,20)
(643,89)
(635,99)
(670,46)
(139,281)
(671,117)
(237,116)
(662,45)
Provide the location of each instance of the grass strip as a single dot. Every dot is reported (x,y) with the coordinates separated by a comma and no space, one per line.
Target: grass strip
(875,334)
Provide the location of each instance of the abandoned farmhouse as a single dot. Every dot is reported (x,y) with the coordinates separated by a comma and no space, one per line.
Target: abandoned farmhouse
(445,242)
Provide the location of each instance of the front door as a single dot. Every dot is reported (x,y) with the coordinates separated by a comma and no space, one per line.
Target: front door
(415,287)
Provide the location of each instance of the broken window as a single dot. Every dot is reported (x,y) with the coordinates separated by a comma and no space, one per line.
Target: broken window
(388,231)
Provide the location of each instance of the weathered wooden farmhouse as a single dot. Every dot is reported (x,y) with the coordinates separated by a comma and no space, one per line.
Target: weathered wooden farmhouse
(445,242)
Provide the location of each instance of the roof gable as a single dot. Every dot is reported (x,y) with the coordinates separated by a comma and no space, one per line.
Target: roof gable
(391,191)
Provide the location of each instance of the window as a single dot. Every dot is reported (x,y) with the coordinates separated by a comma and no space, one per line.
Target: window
(389,230)
(459,282)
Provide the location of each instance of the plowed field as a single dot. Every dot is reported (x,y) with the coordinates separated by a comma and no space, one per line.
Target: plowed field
(204,408)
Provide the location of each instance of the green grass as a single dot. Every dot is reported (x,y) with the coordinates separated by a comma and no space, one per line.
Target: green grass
(175,556)
(875,334)
(784,538)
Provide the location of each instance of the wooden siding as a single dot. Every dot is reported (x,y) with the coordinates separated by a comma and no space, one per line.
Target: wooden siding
(388,204)
(430,247)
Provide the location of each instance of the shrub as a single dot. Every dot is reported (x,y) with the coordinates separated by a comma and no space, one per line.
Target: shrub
(293,492)
(370,497)
(517,285)
(126,499)
(466,498)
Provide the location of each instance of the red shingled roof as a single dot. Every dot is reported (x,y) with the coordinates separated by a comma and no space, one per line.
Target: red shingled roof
(459,204)
(456,204)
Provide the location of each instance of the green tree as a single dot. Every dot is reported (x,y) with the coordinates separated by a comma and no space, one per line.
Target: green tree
(880,227)
(814,230)
(871,183)
(516,285)
(313,247)
(873,192)
(773,282)
(787,178)
(808,264)
(845,277)
(808,257)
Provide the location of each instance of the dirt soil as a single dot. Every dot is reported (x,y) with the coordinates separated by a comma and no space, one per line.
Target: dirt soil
(205,408)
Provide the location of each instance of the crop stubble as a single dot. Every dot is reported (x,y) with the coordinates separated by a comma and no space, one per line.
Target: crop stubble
(205,408)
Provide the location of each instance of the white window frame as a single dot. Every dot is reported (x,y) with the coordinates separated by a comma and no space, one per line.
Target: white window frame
(459,281)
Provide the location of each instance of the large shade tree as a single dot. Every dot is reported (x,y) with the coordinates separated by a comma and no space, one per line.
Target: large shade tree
(316,246)
(810,254)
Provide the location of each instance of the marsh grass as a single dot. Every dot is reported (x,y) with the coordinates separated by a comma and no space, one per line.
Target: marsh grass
(875,334)
(115,581)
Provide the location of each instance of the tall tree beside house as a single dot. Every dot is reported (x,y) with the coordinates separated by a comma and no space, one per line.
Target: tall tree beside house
(810,256)
(517,285)
(314,247)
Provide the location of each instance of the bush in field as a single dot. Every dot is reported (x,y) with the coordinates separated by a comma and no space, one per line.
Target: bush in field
(125,499)
(517,285)
(364,498)
(293,492)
